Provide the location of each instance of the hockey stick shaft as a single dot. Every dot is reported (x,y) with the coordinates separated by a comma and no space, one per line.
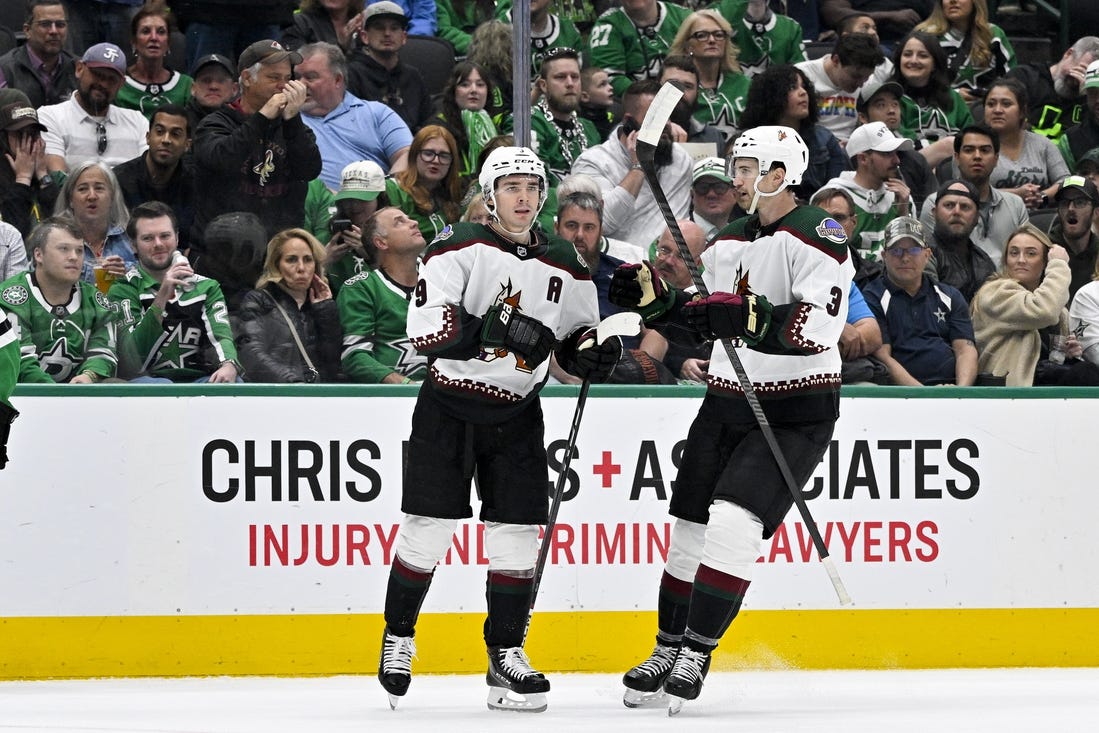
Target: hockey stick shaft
(646,155)
(555,502)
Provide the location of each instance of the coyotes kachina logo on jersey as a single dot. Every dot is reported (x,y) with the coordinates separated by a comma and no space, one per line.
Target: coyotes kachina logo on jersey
(506,297)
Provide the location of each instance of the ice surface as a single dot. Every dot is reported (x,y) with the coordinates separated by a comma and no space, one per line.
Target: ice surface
(1001,700)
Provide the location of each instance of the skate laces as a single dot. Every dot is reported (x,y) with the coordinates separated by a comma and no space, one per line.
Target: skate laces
(660,661)
(397,654)
(689,664)
(513,660)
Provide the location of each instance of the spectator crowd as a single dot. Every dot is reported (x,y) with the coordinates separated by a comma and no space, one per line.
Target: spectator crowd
(240,191)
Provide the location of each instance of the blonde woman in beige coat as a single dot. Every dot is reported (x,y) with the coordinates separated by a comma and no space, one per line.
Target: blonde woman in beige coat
(1016,312)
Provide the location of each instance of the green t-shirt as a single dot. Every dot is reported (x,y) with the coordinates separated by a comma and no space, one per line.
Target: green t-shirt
(430,224)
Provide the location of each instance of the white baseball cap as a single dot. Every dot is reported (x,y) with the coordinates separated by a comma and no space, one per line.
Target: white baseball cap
(875,136)
(362,180)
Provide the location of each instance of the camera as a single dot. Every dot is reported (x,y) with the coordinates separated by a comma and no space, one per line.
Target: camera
(337,226)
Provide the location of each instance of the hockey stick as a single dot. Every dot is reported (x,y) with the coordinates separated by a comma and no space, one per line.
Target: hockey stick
(647,138)
(619,324)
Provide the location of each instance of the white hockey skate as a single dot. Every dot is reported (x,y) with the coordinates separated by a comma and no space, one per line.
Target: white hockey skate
(684,682)
(645,682)
(512,683)
(395,665)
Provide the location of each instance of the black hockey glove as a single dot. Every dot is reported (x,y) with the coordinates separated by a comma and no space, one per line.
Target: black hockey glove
(639,288)
(503,326)
(727,315)
(582,356)
(7,416)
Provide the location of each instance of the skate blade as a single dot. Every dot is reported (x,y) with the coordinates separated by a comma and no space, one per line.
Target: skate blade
(501,698)
(393,700)
(638,699)
(675,704)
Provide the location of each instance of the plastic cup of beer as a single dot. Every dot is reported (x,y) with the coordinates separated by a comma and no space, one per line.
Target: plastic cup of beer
(104,278)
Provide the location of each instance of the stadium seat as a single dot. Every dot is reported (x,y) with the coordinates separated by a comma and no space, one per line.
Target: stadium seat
(434,57)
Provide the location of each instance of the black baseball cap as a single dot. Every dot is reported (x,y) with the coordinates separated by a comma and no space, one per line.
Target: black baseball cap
(267,52)
(1083,184)
(213,58)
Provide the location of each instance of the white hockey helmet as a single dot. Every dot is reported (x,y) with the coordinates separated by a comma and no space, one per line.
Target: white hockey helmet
(770,144)
(509,161)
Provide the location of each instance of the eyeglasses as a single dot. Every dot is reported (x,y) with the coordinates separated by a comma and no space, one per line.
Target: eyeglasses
(429,155)
(900,252)
(101,132)
(1074,203)
(718,35)
(719,187)
(47,24)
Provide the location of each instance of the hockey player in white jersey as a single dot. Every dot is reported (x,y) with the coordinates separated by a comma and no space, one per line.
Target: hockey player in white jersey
(492,303)
(778,280)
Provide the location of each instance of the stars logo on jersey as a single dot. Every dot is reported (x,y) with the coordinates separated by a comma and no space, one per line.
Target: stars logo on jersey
(58,362)
(726,123)
(831,230)
(179,348)
(102,300)
(15,295)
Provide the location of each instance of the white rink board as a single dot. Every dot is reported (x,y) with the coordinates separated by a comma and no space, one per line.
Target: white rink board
(102,509)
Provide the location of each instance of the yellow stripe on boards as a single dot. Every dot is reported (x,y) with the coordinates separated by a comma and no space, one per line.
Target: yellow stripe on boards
(305,645)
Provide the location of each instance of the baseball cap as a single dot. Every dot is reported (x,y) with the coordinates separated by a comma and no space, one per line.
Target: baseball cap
(267,52)
(903,227)
(1091,76)
(362,180)
(1078,183)
(18,116)
(950,188)
(875,136)
(105,56)
(213,58)
(712,167)
(384,9)
(870,88)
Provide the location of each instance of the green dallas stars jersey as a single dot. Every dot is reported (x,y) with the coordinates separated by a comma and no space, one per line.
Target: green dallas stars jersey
(562,33)
(373,310)
(629,53)
(9,360)
(778,41)
(722,107)
(59,342)
(191,341)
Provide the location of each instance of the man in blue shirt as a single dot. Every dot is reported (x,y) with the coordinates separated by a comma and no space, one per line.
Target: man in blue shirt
(927,333)
(347,128)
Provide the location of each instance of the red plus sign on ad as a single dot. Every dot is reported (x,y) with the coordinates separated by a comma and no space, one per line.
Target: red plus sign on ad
(607,469)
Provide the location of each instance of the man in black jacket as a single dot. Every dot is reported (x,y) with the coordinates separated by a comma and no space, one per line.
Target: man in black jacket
(41,68)
(256,154)
(163,172)
(375,71)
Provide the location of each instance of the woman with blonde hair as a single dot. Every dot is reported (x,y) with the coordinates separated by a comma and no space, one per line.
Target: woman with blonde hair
(429,190)
(977,51)
(1019,312)
(707,38)
(288,328)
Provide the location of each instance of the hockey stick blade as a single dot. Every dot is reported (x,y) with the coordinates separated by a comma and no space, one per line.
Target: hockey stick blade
(626,323)
(655,120)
